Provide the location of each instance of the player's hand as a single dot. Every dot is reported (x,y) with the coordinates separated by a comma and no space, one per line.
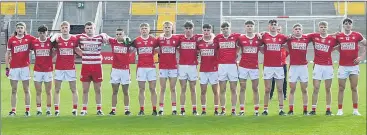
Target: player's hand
(7,70)
(357,60)
(260,35)
(290,36)
(127,41)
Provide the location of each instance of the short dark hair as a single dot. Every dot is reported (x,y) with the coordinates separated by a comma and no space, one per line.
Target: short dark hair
(89,23)
(119,29)
(297,25)
(207,26)
(225,24)
(273,21)
(347,20)
(188,24)
(42,28)
(249,22)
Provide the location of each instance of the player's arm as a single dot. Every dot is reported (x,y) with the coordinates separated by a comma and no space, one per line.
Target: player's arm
(363,46)
(131,44)
(105,38)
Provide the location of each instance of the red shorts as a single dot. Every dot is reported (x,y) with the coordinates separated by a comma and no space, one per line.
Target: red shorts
(91,73)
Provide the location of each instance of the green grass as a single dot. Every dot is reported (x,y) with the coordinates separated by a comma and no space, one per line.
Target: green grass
(182,125)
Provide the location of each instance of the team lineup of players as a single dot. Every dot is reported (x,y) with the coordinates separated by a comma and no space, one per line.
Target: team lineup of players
(217,65)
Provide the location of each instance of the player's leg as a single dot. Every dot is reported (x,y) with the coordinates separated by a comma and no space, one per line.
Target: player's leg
(317,77)
(162,81)
(279,85)
(125,90)
(328,95)
(115,90)
(342,75)
(85,86)
(141,96)
(98,96)
(173,81)
(233,87)
(203,88)
(285,81)
(267,76)
(75,95)
(222,95)
(272,88)
(57,95)
(153,94)
(183,84)
(14,97)
(353,78)
(242,96)
(256,98)
(27,96)
(192,74)
(48,89)
(293,77)
(216,98)
(38,87)
(304,86)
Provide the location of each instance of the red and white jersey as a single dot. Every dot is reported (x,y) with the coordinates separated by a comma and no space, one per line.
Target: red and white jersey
(120,54)
(227,51)
(250,49)
(167,56)
(323,48)
(298,50)
(91,48)
(188,50)
(43,53)
(348,47)
(272,49)
(145,49)
(65,49)
(20,48)
(208,53)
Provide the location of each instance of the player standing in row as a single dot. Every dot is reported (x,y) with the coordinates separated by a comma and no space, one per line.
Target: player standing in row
(168,65)
(120,72)
(273,65)
(227,68)
(298,70)
(187,68)
(91,45)
(43,68)
(348,64)
(17,55)
(66,46)
(145,45)
(324,44)
(248,66)
(208,67)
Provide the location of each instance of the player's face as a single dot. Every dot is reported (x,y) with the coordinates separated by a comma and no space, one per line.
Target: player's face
(297,30)
(120,34)
(279,30)
(89,29)
(42,34)
(206,31)
(188,31)
(226,30)
(347,26)
(20,30)
(167,28)
(273,27)
(249,28)
(144,31)
(322,29)
(65,29)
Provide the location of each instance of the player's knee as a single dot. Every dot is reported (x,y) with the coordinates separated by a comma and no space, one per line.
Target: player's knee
(173,90)
(341,87)
(126,92)
(203,92)
(48,92)
(115,92)
(354,89)
(242,90)
(38,93)
(26,91)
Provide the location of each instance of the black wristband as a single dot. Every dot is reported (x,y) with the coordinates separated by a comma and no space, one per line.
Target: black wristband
(6,68)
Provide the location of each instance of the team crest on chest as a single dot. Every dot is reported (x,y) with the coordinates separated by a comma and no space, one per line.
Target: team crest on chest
(274,39)
(168,42)
(353,37)
(42,44)
(323,40)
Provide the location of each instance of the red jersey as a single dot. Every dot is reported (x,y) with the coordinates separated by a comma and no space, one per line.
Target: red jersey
(20,48)
(43,53)
(250,48)
(298,50)
(145,49)
(323,48)
(167,47)
(227,51)
(208,53)
(272,49)
(91,49)
(188,50)
(348,47)
(65,59)
(120,54)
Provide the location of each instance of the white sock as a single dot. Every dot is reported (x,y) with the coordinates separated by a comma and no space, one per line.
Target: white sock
(161,108)
(355,110)
(114,108)
(39,109)
(127,108)
(48,108)
(173,108)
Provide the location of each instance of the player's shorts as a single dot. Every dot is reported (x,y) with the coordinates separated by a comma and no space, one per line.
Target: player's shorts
(247,73)
(273,72)
(209,77)
(19,74)
(228,72)
(345,71)
(91,73)
(168,73)
(146,74)
(298,73)
(42,76)
(65,75)
(120,76)
(188,72)
(323,72)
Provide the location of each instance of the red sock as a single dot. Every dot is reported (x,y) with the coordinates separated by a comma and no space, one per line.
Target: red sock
(75,106)
(305,108)
(161,104)
(194,108)
(265,107)
(216,109)
(154,108)
(290,107)
(340,106)
(223,109)
(355,105)
(233,110)
(242,108)
(313,107)
(27,109)
(38,105)
(13,109)
(203,109)
(56,107)
(99,107)
(327,108)
(173,104)
(182,109)
(256,108)
(113,109)
(84,108)
(142,108)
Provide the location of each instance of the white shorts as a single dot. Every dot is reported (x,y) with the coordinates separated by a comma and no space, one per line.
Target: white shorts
(120,76)
(209,77)
(276,72)
(146,74)
(42,76)
(298,73)
(188,72)
(168,73)
(247,73)
(65,75)
(345,71)
(19,74)
(228,72)
(321,72)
